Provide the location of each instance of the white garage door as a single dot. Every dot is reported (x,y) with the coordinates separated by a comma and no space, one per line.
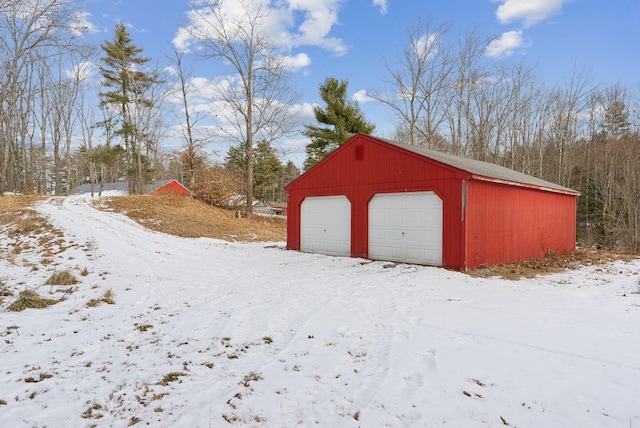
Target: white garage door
(406,227)
(325,225)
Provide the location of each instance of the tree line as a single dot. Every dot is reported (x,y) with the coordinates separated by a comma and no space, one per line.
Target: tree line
(48,104)
(445,93)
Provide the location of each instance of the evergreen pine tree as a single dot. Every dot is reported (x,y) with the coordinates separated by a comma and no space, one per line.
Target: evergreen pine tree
(344,119)
(267,169)
(125,92)
(616,119)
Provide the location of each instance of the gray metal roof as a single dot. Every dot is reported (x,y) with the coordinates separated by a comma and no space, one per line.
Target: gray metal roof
(121,187)
(483,169)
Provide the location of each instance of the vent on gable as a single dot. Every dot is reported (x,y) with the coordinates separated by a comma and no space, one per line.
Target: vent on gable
(359,152)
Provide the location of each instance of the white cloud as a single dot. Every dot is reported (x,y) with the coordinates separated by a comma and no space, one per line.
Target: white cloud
(382,4)
(296,62)
(82,25)
(319,18)
(426,45)
(529,12)
(289,23)
(170,70)
(361,97)
(506,44)
(81,72)
(207,97)
(182,40)
(202,91)
(307,111)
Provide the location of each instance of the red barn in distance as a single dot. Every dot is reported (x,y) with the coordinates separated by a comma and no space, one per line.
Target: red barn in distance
(158,187)
(169,187)
(383,200)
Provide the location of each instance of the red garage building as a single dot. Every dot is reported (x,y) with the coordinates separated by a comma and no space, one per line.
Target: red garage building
(383,200)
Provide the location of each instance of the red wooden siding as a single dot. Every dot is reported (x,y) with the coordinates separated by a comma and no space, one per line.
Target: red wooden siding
(171,188)
(508,223)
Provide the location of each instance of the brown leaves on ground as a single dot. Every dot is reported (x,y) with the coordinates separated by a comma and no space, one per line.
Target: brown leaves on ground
(191,218)
(553,263)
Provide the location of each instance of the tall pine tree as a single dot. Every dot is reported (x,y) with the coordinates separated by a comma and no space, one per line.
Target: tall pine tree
(126,92)
(344,119)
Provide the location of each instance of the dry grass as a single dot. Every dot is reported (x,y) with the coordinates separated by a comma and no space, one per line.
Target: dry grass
(190,218)
(17,211)
(553,263)
(62,278)
(30,299)
(171,377)
(20,222)
(10,203)
(108,297)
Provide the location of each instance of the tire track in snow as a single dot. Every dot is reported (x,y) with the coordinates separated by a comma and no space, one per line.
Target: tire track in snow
(464,333)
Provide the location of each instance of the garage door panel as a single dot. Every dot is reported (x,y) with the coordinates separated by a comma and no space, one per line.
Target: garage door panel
(325,225)
(395,216)
(406,227)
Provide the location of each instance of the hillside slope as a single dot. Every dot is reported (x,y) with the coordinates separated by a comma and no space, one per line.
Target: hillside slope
(190,218)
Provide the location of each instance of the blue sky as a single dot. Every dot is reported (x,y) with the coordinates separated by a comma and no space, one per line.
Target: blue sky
(349,39)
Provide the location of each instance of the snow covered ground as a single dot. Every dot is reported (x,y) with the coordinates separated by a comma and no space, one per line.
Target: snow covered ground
(205,333)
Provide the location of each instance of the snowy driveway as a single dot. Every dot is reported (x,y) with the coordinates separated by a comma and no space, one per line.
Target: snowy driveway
(205,333)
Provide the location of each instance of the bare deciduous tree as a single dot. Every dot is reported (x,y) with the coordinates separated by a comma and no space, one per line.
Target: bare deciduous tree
(195,137)
(418,79)
(468,73)
(35,36)
(566,104)
(255,101)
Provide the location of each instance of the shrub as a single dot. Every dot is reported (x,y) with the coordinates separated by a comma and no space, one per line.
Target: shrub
(218,186)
